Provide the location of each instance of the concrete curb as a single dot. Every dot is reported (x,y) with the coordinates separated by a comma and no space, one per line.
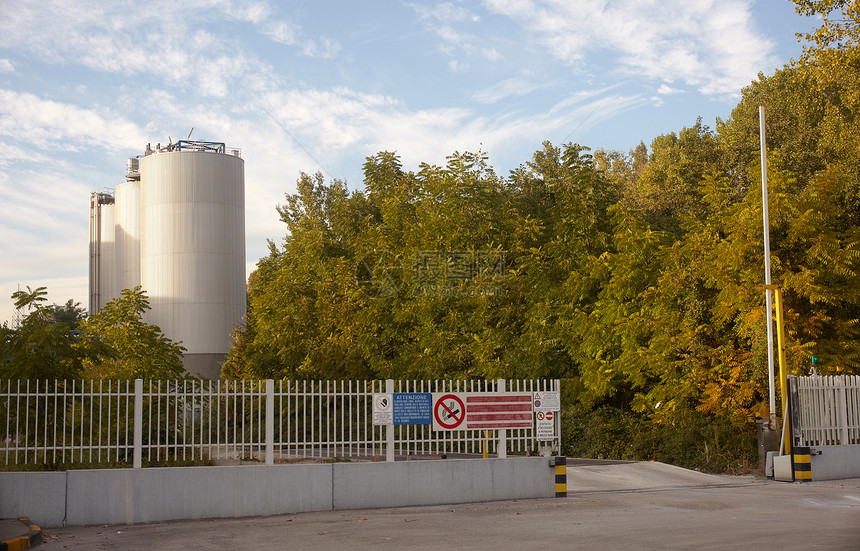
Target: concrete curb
(32,537)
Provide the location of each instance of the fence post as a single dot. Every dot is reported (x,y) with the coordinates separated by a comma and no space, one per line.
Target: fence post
(270,422)
(557,419)
(138,423)
(389,429)
(502,451)
(842,410)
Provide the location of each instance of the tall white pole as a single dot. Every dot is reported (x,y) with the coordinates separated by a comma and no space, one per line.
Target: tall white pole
(768,297)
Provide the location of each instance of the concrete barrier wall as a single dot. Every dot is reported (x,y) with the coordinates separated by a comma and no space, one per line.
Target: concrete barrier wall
(131,496)
(369,485)
(836,462)
(40,496)
(128,496)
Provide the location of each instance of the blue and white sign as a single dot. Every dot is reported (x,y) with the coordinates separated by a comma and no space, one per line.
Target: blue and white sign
(412,408)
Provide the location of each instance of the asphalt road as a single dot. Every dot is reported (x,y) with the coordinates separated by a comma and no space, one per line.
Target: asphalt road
(749,514)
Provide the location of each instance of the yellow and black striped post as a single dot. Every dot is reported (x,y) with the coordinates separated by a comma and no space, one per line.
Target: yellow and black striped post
(560,476)
(801,459)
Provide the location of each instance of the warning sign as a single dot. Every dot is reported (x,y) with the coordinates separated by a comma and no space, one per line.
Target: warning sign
(449,411)
(412,408)
(548,400)
(545,430)
(482,411)
(383,412)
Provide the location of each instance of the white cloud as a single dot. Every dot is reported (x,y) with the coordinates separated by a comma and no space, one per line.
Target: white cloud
(456,66)
(291,35)
(324,49)
(11,153)
(712,45)
(166,42)
(53,124)
(516,86)
(441,20)
(163,41)
(445,12)
(253,12)
(665,89)
(282,32)
(6,66)
(492,54)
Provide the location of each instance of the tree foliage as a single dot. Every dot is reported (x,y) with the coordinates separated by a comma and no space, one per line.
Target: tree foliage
(70,313)
(636,276)
(42,347)
(116,343)
(55,342)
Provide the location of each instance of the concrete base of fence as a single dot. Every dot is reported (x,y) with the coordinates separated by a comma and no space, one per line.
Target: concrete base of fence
(128,496)
(835,462)
(40,492)
(406,483)
(131,496)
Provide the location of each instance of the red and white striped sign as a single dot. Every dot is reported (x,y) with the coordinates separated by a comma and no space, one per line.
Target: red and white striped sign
(502,410)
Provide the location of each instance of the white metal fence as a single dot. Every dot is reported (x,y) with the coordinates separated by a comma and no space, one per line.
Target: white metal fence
(825,410)
(165,422)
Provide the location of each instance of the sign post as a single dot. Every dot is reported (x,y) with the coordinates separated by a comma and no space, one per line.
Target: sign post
(389,429)
(503,433)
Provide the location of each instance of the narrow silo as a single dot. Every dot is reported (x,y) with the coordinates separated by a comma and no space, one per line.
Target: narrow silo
(102,269)
(127,224)
(192,248)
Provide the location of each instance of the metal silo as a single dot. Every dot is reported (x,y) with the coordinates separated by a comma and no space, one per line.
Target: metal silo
(192,247)
(102,269)
(127,224)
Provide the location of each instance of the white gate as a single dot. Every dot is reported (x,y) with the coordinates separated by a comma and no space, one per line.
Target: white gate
(825,410)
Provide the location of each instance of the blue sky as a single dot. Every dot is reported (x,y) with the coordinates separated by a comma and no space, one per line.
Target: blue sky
(84,85)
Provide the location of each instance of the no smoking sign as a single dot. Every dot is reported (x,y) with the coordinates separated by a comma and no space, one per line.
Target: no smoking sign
(449,411)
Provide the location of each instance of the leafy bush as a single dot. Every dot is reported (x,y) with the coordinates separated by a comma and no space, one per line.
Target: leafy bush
(693,441)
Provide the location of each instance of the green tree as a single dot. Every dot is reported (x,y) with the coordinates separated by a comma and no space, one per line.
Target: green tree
(831,61)
(70,313)
(42,347)
(116,343)
(665,191)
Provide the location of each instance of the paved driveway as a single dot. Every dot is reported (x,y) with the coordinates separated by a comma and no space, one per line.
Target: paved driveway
(741,513)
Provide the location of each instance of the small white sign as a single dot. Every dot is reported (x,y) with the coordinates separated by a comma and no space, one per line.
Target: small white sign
(547,401)
(545,430)
(383,411)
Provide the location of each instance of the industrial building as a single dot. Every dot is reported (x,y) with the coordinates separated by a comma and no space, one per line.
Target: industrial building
(176,227)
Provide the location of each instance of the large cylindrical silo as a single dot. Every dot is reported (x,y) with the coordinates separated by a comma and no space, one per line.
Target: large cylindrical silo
(192,250)
(102,286)
(127,245)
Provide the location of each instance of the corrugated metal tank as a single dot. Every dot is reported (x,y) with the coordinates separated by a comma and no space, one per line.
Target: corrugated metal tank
(127,246)
(192,250)
(102,257)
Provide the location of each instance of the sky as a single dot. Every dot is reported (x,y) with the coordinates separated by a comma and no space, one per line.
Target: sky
(307,86)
